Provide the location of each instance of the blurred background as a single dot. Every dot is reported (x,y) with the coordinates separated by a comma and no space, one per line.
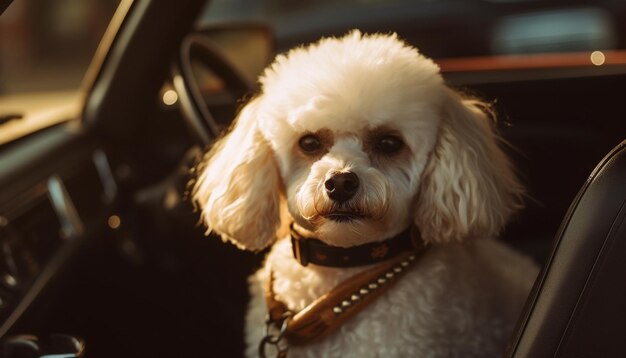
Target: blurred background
(47,45)
(443,28)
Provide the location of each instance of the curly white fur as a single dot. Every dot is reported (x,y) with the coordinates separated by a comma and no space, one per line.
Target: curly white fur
(449,178)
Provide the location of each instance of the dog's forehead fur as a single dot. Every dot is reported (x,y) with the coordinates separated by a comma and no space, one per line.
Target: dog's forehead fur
(351,83)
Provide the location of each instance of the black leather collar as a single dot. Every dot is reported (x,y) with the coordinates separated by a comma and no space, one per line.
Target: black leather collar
(312,250)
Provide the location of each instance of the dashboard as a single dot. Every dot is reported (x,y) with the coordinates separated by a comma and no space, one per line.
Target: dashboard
(44,219)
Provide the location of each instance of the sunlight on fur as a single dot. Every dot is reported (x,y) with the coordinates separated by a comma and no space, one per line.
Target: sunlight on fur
(355,139)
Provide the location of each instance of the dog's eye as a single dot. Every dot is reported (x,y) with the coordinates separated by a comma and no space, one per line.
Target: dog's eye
(310,144)
(389,144)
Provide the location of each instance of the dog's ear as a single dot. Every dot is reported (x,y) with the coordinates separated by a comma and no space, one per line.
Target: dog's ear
(238,187)
(469,188)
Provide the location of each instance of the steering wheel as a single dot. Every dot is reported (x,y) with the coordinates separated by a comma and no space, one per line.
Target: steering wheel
(197,109)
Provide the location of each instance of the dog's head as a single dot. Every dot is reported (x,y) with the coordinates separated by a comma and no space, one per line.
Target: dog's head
(358,137)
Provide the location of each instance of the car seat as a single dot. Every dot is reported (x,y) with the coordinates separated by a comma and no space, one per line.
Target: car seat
(578,305)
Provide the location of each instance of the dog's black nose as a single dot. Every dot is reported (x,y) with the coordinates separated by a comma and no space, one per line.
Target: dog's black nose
(341,187)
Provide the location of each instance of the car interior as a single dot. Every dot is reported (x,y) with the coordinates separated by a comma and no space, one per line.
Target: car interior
(103,252)
(577,306)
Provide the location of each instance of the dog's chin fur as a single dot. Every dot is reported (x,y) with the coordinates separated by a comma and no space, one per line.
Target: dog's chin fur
(448,177)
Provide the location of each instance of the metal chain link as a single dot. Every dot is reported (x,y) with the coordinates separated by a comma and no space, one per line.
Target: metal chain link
(275,335)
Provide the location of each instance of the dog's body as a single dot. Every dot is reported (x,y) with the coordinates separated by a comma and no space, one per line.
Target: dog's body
(461,300)
(355,140)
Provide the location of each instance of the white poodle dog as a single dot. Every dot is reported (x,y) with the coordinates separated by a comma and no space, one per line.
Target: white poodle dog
(353,141)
